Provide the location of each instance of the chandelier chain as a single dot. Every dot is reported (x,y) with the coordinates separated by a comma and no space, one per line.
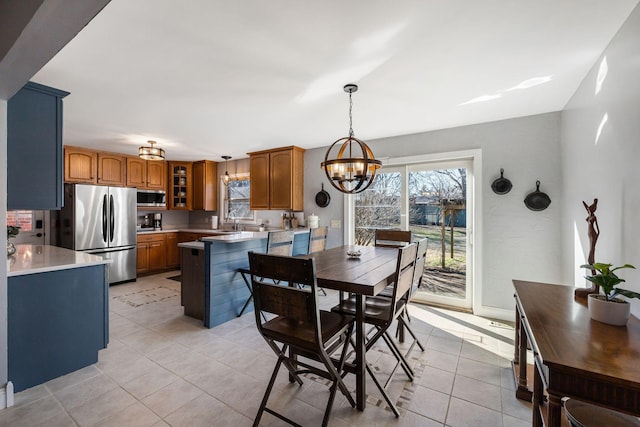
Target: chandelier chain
(350,116)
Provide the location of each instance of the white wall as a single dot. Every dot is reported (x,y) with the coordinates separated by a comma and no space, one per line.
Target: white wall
(518,243)
(606,167)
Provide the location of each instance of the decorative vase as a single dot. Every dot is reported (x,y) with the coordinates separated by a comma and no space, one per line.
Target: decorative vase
(11,249)
(614,312)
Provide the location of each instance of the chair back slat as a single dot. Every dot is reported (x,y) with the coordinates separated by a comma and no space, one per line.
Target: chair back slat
(404,271)
(317,240)
(280,243)
(421,255)
(285,301)
(392,238)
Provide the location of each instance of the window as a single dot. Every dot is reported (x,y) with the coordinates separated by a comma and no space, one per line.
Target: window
(236,199)
(22,219)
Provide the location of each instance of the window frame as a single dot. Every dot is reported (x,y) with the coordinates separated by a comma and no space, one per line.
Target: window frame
(224,201)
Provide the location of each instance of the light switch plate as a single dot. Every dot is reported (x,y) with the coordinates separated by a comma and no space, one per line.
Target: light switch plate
(336,223)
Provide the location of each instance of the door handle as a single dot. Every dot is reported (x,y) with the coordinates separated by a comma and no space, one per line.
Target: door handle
(104,218)
(37,235)
(112,218)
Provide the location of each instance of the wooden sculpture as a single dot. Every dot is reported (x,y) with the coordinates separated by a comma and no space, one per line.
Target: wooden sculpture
(593,232)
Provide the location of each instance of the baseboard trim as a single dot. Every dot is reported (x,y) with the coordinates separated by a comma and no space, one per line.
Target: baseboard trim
(495,313)
(6,396)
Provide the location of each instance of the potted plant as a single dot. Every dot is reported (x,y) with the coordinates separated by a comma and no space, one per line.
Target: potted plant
(12,231)
(608,308)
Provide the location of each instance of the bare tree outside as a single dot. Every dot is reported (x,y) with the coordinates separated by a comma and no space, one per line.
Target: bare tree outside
(428,191)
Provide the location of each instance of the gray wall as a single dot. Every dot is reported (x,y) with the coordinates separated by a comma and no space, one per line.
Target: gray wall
(605,167)
(517,243)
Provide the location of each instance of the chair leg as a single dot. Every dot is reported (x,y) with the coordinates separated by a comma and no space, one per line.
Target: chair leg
(384,392)
(263,404)
(417,341)
(398,355)
(248,301)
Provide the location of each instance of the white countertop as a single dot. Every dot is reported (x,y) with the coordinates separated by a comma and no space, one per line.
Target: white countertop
(30,259)
(192,245)
(245,236)
(209,231)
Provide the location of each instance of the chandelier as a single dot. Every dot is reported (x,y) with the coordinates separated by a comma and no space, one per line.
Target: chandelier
(349,163)
(226,177)
(150,152)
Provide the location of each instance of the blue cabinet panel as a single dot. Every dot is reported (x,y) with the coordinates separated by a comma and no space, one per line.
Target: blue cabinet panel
(34,148)
(57,322)
(225,292)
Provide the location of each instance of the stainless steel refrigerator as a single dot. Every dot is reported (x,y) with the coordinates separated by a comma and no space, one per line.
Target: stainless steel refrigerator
(102,221)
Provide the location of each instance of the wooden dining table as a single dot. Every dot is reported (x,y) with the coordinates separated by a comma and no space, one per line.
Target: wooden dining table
(365,276)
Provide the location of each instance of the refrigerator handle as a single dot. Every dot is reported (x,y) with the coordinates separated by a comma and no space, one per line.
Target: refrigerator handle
(104,218)
(112,218)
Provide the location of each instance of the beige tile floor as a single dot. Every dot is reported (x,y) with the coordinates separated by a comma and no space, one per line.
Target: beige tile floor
(163,368)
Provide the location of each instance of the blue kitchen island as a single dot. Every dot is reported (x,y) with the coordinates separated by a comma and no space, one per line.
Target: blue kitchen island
(57,314)
(225,291)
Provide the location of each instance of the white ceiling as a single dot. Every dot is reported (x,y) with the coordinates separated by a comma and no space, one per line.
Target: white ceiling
(207,78)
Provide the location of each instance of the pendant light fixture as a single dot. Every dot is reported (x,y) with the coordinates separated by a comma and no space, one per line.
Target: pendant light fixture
(349,163)
(150,152)
(226,177)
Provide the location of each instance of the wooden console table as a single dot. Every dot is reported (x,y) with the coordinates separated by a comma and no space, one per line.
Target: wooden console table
(574,356)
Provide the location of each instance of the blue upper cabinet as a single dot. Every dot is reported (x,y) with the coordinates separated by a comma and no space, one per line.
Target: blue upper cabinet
(34,148)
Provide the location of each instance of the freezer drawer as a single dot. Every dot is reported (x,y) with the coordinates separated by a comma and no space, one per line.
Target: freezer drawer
(123,263)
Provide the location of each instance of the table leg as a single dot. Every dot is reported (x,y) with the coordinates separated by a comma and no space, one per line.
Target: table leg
(361,360)
(538,398)
(522,392)
(555,411)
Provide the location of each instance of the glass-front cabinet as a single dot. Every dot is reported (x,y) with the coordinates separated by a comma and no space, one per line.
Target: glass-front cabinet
(180,185)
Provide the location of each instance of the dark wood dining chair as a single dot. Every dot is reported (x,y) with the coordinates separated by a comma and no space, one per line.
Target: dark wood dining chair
(391,238)
(317,240)
(278,243)
(299,331)
(317,243)
(421,255)
(381,312)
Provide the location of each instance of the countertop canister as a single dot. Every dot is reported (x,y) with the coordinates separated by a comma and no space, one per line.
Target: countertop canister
(312,221)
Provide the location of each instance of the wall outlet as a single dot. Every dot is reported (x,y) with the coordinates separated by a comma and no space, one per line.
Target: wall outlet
(336,223)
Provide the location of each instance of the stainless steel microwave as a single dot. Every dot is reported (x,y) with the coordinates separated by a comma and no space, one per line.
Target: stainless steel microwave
(152,198)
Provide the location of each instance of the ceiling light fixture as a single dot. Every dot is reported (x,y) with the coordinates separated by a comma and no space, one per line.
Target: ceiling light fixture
(226,177)
(351,167)
(151,152)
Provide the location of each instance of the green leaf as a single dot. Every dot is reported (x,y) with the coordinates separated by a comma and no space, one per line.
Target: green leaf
(624,266)
(628,294)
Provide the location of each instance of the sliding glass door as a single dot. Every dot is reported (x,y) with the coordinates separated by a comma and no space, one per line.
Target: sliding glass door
(432,200)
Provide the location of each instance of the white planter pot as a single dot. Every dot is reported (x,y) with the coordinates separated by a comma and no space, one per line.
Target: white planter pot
(610,312)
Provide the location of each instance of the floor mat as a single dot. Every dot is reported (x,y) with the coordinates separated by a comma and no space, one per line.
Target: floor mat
(148,296)
(176,278)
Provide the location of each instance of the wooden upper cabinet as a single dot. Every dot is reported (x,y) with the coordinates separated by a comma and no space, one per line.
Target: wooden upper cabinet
(156,175)
(147,174)
(80,165)
(259,180)
(111,169)
(180,191)
(136,172)
(205,185)
(277,179)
